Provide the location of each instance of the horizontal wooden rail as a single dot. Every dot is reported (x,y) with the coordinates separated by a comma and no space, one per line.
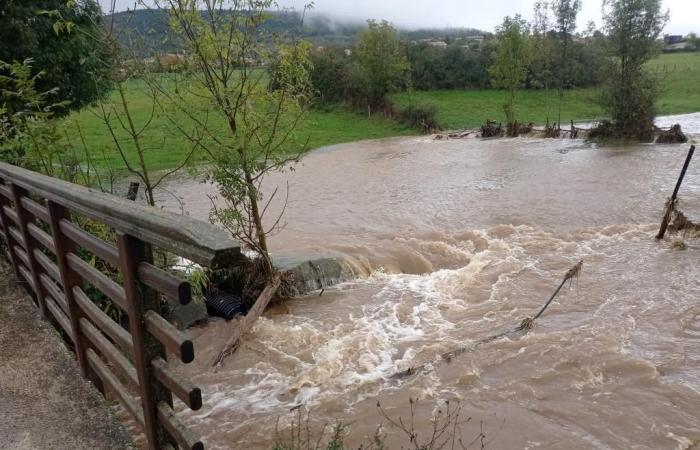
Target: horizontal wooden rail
(174,340)
(103,250)
(22,255)
(17,236)
(59,316)
(183,389)
(184,438)
(101,281)
(181,235)
(27,275)
(12,214)
(119,335)
(115,357)
(42,237)
(35,209)
(165,283)
(54,291)
(5,192)
(48,265)
(129,402)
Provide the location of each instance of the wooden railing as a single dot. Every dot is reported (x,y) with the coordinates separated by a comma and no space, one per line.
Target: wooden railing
(43,239)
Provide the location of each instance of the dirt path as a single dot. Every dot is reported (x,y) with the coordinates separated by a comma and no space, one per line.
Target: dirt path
(44,401)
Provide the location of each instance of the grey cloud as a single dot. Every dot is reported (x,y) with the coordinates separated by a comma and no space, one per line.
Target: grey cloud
(482,14)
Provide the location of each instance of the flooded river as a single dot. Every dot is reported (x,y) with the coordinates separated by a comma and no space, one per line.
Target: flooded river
(459,240)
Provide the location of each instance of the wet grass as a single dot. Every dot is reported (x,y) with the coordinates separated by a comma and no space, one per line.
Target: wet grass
(165,146)
(470,109)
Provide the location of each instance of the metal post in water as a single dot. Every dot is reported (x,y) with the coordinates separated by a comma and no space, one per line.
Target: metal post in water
(133,191)
(672,201)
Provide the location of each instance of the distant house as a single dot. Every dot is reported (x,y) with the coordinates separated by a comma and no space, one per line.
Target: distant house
(347,52)
(433,43)
(672,39)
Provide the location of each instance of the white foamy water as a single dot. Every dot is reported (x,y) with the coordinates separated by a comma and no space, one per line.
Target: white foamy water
(690,123)
(460,240)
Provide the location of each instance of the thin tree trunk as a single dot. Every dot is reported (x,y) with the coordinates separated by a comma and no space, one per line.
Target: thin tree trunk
(257,221)
(137,143)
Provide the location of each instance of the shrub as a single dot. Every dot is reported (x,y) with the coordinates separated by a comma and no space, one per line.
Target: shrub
(423,117)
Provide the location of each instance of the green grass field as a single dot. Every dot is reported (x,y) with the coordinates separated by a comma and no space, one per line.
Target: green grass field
(680,74)
(165,145)
(680,83)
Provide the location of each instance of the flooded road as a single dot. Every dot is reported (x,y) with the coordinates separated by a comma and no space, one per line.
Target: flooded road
(459,240)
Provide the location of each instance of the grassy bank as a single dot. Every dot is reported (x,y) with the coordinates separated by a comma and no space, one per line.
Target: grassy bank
(165,145)
(679,73)
(470,109)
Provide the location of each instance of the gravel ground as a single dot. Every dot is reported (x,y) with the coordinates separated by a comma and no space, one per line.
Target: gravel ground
(44,401)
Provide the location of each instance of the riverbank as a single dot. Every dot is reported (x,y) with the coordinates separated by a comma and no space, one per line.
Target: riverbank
(461,109)
(679,76)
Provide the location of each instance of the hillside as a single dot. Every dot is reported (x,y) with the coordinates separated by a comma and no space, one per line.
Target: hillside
(146,31)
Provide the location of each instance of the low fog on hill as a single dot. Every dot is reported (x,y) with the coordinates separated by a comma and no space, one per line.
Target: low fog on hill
(415,14)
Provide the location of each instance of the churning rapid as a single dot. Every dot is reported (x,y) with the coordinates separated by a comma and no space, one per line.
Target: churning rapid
(460,240)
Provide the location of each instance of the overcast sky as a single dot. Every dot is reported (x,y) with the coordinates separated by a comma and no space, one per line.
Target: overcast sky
(482,14)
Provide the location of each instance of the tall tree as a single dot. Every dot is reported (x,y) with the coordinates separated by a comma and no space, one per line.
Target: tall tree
(382,61)
(565,14)
(542,48)
(511,59)
(72,62)
(633,28)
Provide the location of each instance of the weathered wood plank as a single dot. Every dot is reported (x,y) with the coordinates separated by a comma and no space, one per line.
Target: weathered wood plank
(109,327)
(113,355)
(184,437)
(173,339)
(192,239)
(165,283)
(185,390)
(108,378)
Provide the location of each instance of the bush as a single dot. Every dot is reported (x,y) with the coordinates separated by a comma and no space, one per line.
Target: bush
(423,117)
(641,130)
(673,136)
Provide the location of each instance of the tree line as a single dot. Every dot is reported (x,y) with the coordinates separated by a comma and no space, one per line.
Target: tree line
(548,54)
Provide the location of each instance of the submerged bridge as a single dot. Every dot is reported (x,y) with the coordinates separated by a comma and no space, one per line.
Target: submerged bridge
(56,235)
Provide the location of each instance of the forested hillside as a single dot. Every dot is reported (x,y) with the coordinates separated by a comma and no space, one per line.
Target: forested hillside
(147,31)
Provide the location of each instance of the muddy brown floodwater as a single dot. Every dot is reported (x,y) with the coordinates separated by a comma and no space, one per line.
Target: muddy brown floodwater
(458,240)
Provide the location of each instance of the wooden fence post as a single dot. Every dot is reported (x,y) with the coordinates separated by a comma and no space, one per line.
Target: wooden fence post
(69,279)
(9,239)
(139,299)
(30,245)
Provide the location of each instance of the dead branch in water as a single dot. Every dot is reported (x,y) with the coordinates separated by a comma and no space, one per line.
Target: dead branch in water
(526,325)
(248,321)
